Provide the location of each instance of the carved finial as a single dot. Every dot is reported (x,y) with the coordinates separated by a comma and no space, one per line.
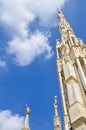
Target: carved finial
(55,106)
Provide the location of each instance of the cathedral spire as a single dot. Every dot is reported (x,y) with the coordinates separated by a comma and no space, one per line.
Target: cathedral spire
(71,66)
(57,122)
(26,124)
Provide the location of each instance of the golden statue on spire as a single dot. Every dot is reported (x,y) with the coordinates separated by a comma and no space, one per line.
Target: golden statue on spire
(27,110)
(26,124)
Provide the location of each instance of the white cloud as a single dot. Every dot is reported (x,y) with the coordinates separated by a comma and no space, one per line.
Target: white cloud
(2,64)
(17,15)
(8,121)
(28,49)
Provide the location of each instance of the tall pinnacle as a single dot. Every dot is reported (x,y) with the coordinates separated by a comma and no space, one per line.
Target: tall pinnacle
(26,124)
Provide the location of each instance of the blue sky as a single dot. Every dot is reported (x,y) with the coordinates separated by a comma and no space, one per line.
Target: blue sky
(28,75)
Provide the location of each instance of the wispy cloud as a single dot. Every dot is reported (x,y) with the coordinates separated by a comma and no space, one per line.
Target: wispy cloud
(8,121)
(17,15)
